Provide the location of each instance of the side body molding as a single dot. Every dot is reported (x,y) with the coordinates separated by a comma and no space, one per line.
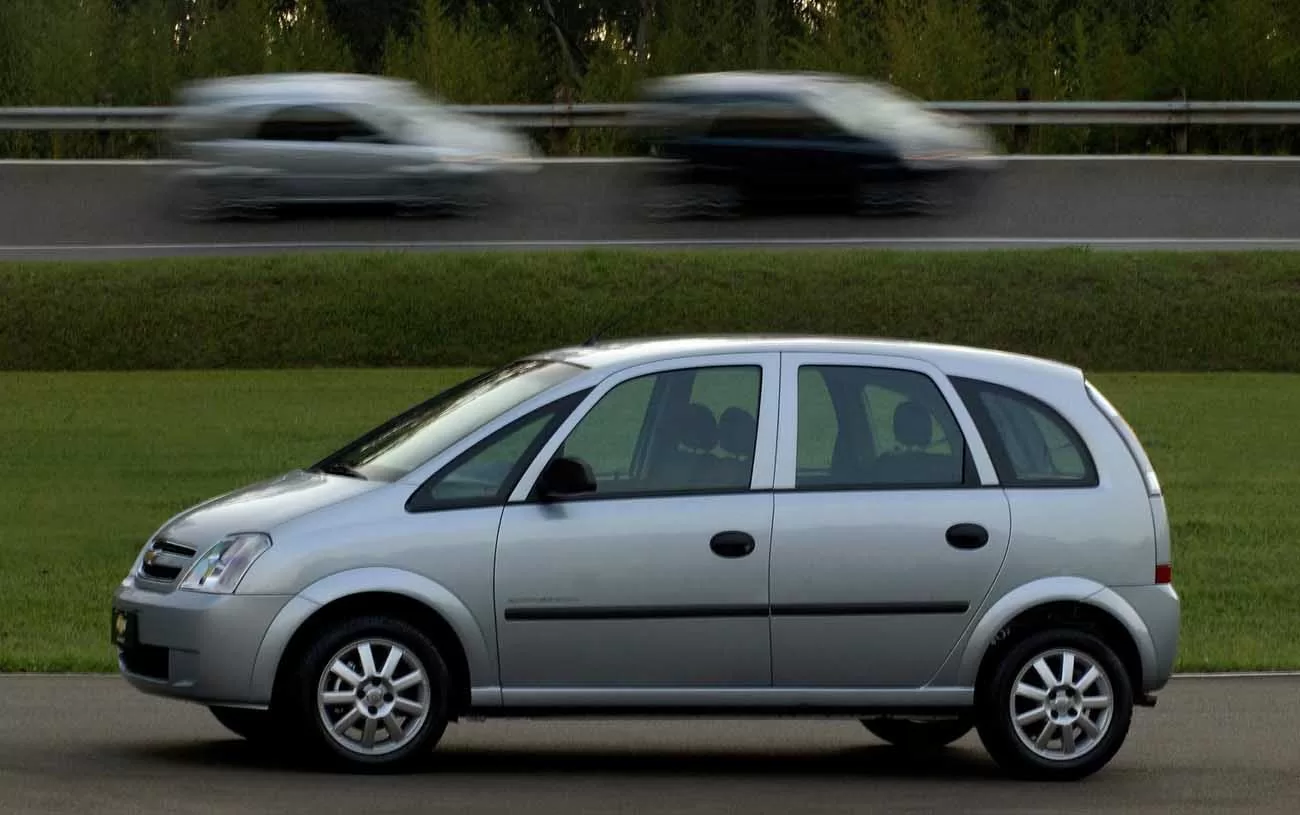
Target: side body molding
(964,662)
(478,652)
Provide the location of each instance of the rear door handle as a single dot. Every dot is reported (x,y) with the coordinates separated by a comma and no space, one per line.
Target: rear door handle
(732,544)
(967,536)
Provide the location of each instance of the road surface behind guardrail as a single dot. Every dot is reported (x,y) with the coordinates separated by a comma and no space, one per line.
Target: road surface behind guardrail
(76,210)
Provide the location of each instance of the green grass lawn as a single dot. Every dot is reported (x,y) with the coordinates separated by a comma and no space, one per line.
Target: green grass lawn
(93,463)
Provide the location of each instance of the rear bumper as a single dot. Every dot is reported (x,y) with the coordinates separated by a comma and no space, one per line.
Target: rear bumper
(193,646)
(1160,610)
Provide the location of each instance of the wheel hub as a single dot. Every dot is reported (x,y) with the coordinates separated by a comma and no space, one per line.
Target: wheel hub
(1063,703)
(375,701)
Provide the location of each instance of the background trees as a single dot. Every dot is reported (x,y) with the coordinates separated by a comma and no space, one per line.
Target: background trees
(135,52)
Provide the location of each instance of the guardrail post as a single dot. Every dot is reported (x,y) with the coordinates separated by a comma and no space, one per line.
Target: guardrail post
(1181,130)
(1020,133)
(102,136)
(561,117)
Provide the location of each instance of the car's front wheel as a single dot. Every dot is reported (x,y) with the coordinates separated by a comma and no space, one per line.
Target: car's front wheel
(919,734)
(372,693)
(912,196)
(690,200)
(1056,707)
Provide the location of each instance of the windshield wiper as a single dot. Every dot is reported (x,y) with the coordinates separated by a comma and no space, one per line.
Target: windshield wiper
(339,468)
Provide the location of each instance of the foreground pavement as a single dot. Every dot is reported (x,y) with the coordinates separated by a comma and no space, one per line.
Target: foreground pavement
(90,744)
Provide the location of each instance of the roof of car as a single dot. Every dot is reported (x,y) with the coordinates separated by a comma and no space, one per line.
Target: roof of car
(315,84)
(732,81)
(626,352)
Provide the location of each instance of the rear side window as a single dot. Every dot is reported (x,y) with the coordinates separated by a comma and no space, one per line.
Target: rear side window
(1031,444)
(864,427)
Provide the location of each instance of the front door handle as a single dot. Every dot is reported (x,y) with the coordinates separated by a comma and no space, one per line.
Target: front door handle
(732,544)
(967,536)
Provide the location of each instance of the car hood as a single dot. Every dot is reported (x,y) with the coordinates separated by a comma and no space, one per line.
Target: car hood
(262,506)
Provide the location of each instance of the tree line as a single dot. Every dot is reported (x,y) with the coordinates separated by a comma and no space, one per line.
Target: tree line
(136,52)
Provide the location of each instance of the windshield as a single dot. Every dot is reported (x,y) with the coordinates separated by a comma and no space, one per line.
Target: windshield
(868,108)
(416,114)
(406,441)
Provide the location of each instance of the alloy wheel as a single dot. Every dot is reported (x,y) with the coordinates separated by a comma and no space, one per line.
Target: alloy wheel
(1062,704)
(373,696)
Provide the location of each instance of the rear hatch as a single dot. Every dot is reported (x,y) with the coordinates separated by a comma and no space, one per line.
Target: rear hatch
(1155,495)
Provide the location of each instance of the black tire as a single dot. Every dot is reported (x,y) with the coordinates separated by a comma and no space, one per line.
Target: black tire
(194,199)
(995,721)
(919,734)
(304,715)
(690,201)
(253,725)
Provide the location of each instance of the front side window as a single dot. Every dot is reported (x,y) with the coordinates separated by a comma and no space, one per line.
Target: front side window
(485,474)
(869,427)
(691,430)
(408,440)
(1031,444)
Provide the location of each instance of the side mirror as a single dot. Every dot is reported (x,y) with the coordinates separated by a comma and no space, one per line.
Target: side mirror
(564,477)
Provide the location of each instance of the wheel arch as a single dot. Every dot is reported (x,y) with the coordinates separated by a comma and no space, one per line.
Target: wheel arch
(411,597)
(1068,602)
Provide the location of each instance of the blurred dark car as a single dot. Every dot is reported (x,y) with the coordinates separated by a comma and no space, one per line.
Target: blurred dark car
(734,139)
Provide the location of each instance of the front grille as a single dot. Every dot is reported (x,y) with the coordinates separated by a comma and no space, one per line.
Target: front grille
(149,661)
(165,560)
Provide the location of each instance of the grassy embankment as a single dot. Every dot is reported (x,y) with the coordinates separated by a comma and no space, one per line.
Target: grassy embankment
(94,460)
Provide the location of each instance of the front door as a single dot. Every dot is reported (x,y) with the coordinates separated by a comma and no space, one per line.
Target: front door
(657,582)
(885,542)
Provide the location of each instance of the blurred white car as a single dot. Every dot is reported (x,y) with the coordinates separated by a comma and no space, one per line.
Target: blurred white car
(252,142)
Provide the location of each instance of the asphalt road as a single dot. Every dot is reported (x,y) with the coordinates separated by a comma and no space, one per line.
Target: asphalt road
(76,211)
(78,745)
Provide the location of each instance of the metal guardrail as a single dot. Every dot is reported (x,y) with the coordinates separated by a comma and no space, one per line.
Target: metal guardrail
(535,117)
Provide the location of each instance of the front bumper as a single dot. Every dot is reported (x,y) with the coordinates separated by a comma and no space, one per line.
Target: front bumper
(193,646)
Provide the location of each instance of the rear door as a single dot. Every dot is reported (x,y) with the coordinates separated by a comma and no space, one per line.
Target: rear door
(885,538)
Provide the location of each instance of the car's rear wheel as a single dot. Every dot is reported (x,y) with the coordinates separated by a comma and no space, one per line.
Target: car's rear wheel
(253,725)
(371,693)
(1056,707)
(920,734)
(690,200)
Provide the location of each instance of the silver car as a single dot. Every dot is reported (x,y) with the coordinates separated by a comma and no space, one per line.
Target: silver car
(251,143)
(928,538)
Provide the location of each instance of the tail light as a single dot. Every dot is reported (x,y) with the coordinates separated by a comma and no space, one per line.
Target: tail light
(1164,574)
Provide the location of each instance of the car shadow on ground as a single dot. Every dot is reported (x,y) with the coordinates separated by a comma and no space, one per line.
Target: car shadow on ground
(958,762)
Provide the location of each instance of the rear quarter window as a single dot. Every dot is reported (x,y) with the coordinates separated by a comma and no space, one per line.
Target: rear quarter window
(1030,443)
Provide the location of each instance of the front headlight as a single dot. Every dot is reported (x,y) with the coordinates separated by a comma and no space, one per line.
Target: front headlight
(220,569)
